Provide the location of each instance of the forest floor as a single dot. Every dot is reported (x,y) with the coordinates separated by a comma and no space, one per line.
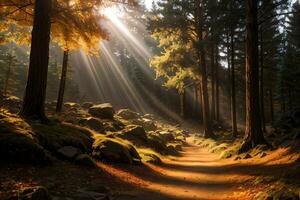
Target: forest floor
(195,174)
(199,174)
(191,167)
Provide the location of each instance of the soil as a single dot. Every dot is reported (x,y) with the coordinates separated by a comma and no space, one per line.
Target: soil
(195,174)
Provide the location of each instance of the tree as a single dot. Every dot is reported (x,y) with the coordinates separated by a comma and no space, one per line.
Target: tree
(253,134)
(20,12)
(181,28)
(35,92)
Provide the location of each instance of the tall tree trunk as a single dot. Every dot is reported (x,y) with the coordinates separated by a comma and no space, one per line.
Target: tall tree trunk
(195,100)
(217,85)
(208,133)
(182,104)
(233,101)
(261,85)
(213,99)
(229,71)
(253,134)
(10,61)
(200,103)
(62,85)
(35,93)
(271,105)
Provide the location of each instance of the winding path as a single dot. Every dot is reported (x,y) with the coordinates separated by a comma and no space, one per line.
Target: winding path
(197,174)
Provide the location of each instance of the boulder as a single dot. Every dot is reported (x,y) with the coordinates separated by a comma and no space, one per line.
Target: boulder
(112,150)
(85,160)
(167,136)
(20,148)
(133,133)
(104,111)
(69,152)
(148,124)
(149,116)
(12,103)
(87,105)
(128,114)
(93,123)
(69,105)
(34,193)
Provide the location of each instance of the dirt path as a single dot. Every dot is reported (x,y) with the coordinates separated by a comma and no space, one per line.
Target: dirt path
(197,174)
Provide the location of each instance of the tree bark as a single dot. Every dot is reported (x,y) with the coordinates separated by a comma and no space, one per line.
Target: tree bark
(35,93)
(271,106)
(213,97)
(195,100)
(262,104)
(200,103)
(10,61)
(253,134)
(62,85)
(208,133)
(217,85)
(182,104)
(233,100)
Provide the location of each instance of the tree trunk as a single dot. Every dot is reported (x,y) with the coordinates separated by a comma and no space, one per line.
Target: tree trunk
(271,106)
(233,101)
(208,133)
(182,104)
(200,103)
(195,100)
(10,61)
(62,85)
(35,93)
(213,99)
(229,71)
(262,105)
(253,134)
(217,85)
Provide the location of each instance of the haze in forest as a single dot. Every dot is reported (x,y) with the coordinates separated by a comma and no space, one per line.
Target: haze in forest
(149,99)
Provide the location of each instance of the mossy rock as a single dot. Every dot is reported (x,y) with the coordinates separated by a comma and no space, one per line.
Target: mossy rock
(85,160)
(156,143)
(134,133)
(57,135)
(127,114)
(113,150)
(103,111)
(19,148)
(150,158)
(113,125)
(87,105)
(172,150)
(93,123)
(166,136)
(34,193)
(147,124)
(69,105)
(18,143)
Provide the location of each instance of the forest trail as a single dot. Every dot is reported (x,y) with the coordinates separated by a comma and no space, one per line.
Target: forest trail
(196,174)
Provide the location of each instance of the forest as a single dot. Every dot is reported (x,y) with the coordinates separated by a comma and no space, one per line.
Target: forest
(149,100)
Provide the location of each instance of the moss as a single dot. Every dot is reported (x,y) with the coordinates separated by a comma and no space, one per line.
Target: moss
(133,133)
(114,150)
(28,141)
(231,151)
(18,143)
(219,148)
(150,156)
(58,135)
